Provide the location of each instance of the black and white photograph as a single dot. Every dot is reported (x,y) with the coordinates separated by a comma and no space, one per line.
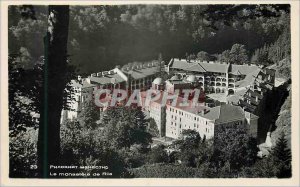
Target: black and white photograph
(150,91)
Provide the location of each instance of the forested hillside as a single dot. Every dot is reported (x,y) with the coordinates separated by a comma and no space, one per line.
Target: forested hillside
(101,37)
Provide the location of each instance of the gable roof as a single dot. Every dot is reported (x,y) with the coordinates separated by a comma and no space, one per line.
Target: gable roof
(230,113)
(201,67)
(243,69)
(249,79)
(225,113)
(107,79)
(142,73)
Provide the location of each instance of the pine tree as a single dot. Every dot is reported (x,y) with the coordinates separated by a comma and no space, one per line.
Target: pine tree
(282,157)
(281,151)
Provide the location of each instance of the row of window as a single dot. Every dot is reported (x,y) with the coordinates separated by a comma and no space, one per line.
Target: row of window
(195,125)
(189,116)
(174,133)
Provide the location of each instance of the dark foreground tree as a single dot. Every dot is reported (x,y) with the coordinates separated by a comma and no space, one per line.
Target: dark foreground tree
(158,155)
(126,126)
(282,157)
(89,115)
(232,143)
(55,80)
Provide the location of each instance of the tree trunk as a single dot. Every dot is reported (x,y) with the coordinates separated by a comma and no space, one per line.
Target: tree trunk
(55,70)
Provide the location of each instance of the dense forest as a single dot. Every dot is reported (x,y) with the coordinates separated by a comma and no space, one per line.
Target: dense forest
(101,37)
(98,38)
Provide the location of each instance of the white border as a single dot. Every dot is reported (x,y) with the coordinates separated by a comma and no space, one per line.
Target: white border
(4,180)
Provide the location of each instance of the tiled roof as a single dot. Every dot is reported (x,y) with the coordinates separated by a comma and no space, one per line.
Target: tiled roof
(225,113)
(213,113)
(215,67)
(201,67)
(230,113)
(142,73)
(107,79)
(244,69)
(249,79)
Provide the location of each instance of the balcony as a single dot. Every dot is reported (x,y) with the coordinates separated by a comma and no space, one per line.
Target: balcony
(230,79)
(231,86)
(207,78)
(247,105)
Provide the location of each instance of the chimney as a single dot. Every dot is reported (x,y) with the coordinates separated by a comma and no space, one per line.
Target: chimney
(202,112)
(88,80)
